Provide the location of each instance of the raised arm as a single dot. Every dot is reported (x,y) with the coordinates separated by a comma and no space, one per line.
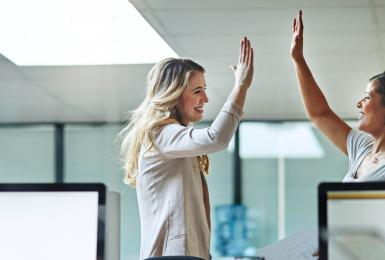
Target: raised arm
(176,141)
(316,105)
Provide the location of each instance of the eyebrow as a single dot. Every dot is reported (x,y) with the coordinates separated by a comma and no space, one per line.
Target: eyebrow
(199,87)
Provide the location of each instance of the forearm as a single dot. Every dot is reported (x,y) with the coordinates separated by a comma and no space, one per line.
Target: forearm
(314,100)
(177,141)
(238,95)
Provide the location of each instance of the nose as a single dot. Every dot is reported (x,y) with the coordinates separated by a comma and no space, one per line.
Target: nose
(205,98)
(359,103)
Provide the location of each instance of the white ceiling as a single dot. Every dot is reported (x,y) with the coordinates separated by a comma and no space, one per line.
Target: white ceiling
(344,46)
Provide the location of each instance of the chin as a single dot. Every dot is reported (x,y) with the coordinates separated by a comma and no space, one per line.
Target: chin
(198,118)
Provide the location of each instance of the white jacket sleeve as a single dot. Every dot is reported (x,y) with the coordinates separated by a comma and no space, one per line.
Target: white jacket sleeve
(177,141)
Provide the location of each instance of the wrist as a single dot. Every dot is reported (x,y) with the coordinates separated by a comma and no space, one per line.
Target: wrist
(298,59)
(241,86)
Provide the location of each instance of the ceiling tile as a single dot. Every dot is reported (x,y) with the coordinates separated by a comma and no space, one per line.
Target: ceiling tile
(234,22)
(244,4)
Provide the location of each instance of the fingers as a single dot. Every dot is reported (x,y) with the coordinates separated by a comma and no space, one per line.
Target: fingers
(251,57)
(241,50)
(246,45)
(250,54)
(300,21)
(246,53)
(294,24)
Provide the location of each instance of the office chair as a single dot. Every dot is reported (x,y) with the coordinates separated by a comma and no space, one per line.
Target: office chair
(174,258)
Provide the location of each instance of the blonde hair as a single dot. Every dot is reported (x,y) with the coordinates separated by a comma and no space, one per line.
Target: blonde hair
(166,82)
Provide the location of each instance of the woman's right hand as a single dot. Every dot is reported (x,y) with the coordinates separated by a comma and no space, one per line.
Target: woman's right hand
(296,49)
(244,70)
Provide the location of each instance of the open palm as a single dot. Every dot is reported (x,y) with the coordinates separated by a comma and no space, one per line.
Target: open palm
(296,49)
(244,70)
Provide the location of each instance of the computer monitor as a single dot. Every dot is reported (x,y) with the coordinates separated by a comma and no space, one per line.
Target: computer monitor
(52,221)
(351,220)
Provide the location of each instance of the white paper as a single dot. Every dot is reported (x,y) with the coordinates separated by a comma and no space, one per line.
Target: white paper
(299,246)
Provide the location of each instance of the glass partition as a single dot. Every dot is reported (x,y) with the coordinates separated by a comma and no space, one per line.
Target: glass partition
(91,155)
(283,163)
(27,154)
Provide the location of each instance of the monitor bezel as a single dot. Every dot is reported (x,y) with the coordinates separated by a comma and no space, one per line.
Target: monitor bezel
(325,187)
(100,188)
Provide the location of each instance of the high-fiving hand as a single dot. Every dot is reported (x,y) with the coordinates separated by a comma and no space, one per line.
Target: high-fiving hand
(296,49)
(244,70)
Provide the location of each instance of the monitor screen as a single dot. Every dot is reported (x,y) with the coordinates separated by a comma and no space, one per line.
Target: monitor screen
(355,224)
(50,221)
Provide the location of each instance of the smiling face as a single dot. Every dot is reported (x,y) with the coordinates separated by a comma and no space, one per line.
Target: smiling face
(192,100)
(371,110)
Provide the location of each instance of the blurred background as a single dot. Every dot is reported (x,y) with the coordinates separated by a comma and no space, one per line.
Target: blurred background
(71,70)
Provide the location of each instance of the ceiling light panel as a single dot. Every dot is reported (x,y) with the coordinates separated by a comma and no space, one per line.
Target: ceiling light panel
(78,32)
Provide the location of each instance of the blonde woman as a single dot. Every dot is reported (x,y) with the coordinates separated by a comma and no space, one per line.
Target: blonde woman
(165,157)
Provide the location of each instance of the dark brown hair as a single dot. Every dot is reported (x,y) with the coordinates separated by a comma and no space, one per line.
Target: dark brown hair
(380,89)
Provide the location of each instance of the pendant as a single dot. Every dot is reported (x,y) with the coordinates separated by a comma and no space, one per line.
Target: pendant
(375,160)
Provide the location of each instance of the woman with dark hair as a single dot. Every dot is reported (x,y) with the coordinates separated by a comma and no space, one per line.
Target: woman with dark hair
(365,147)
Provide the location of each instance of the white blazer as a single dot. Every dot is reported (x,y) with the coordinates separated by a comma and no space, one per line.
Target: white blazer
(171,190)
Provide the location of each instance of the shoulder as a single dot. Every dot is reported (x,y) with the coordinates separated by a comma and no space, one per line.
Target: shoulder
(359,140)
(171,125)
(171,129)
(358,144)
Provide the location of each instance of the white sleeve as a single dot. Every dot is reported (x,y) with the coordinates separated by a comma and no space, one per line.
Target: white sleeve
(177,141)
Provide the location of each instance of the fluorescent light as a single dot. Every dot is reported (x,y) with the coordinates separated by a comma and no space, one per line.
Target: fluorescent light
(287,140)
(77,32)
